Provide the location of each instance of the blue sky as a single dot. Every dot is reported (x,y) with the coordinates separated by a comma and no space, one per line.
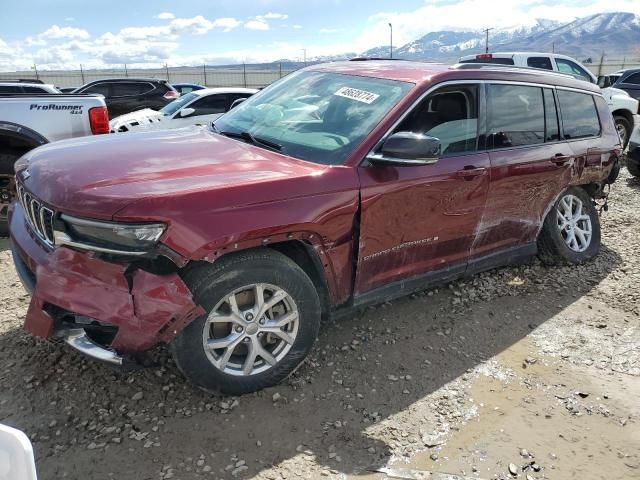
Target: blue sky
(63,34)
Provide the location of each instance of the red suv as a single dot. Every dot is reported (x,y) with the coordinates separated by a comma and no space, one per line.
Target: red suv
(339,186)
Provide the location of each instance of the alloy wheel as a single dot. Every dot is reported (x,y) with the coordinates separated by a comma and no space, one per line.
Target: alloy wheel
(574,223)
(251,329)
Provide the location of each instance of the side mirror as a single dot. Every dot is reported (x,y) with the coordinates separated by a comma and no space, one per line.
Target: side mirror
(16,455)
(185,112)
(404,149)
(604,81)
(236,102)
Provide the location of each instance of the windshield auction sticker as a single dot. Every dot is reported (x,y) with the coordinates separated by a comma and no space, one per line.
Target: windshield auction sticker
(357,95)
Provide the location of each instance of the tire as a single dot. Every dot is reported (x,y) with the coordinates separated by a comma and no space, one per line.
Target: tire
(554,242)
(7,160)
(623,125)
(244,273)
(633,165)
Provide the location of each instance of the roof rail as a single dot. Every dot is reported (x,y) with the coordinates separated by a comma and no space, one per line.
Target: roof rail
(364,59)
(473,66)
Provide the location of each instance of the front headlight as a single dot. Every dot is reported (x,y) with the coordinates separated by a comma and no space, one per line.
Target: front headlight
(120,237)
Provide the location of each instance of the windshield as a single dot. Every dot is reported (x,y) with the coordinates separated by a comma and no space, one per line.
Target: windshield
(316,116)
(177,104)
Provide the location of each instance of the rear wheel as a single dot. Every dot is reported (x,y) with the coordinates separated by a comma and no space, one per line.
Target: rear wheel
(623,126)
(263,316)
(571,230)
(633,164)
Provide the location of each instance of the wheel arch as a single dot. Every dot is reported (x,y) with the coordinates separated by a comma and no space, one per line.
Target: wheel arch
(626,114)
(10,130)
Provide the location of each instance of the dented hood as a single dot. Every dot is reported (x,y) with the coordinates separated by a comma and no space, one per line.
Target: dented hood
(98,176)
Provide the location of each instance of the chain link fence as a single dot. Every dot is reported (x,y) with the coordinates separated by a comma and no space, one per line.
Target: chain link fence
(252,76)
(241,76)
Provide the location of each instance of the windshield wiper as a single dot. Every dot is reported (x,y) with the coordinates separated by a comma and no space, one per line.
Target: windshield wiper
(247,137)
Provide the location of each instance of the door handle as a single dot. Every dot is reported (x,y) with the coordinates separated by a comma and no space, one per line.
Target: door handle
(470,172)
(560,159)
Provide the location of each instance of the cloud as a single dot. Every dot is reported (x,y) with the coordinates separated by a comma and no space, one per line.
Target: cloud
(70,19)
(328,30)
(297,27)
(56,32)
(276,16)
(227,23)
(165,16)
(256,24)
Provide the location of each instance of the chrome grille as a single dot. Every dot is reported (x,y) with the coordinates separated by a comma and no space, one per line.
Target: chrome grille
(39,217)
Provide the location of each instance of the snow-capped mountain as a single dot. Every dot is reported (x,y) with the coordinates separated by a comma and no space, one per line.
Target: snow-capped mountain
(617,34)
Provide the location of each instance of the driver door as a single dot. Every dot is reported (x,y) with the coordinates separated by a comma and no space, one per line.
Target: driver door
(419,222)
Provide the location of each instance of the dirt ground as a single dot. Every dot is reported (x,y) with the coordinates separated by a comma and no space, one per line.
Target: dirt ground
(526,372)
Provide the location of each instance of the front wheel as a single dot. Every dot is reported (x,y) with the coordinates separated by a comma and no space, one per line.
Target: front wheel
(263,316)
(571,230)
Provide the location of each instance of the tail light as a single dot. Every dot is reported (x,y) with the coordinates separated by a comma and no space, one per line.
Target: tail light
(484,55)
(99,120)
(171,94)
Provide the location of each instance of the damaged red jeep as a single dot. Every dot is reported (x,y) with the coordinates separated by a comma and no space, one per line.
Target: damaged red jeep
(339,186)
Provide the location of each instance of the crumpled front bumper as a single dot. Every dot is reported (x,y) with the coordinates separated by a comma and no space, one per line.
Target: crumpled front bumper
(146,308)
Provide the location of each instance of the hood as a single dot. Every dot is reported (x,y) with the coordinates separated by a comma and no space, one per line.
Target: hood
(97,176)
(140,120)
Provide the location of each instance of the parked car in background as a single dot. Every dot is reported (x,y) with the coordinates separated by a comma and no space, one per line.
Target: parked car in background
(199,107)
(124,95)
(26,86)
(623,108)
(633,154)
(68,89)
(183,88)
(627,80)
(231,243)
(28,121)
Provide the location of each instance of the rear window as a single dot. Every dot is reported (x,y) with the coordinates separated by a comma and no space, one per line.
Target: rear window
(579,115)
(123,89)
(10,89)
(633,79)
(516,116)
(101,88)
(540,62)
(498,61)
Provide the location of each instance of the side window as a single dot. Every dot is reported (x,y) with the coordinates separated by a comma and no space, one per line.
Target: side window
(101,88)
(10,89)
(34,90)
(515,116)
(540,62)
(572,68)
(232,97)
(550,116)
(126,89)
(579,115)
(633,79)
(210,105)
(450,115)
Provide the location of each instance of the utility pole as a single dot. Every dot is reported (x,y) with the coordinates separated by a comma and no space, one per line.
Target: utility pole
(166,68)
(126,73)
(82,74)
(204,73)
(390,40)
(553,47)
(35,67)
(486,41)
(304,56)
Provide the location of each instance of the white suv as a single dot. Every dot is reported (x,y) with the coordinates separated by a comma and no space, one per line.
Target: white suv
(623,107)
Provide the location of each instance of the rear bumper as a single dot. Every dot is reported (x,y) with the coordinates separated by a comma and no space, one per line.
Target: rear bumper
(146,309)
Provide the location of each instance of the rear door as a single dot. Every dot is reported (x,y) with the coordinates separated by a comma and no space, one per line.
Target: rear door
(421,220)
(582,130)
(128,97)
(530,166)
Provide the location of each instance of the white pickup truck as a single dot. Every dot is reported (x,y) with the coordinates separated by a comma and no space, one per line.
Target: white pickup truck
(28,121)
(624,108)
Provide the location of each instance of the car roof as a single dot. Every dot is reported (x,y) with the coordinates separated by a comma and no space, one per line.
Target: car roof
(431,73)
(210,91)
(183,84)
(26,84)
(128,79)
(511,54)
(626,70)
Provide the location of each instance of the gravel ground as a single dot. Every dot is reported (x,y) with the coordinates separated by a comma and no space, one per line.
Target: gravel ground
(529,372)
